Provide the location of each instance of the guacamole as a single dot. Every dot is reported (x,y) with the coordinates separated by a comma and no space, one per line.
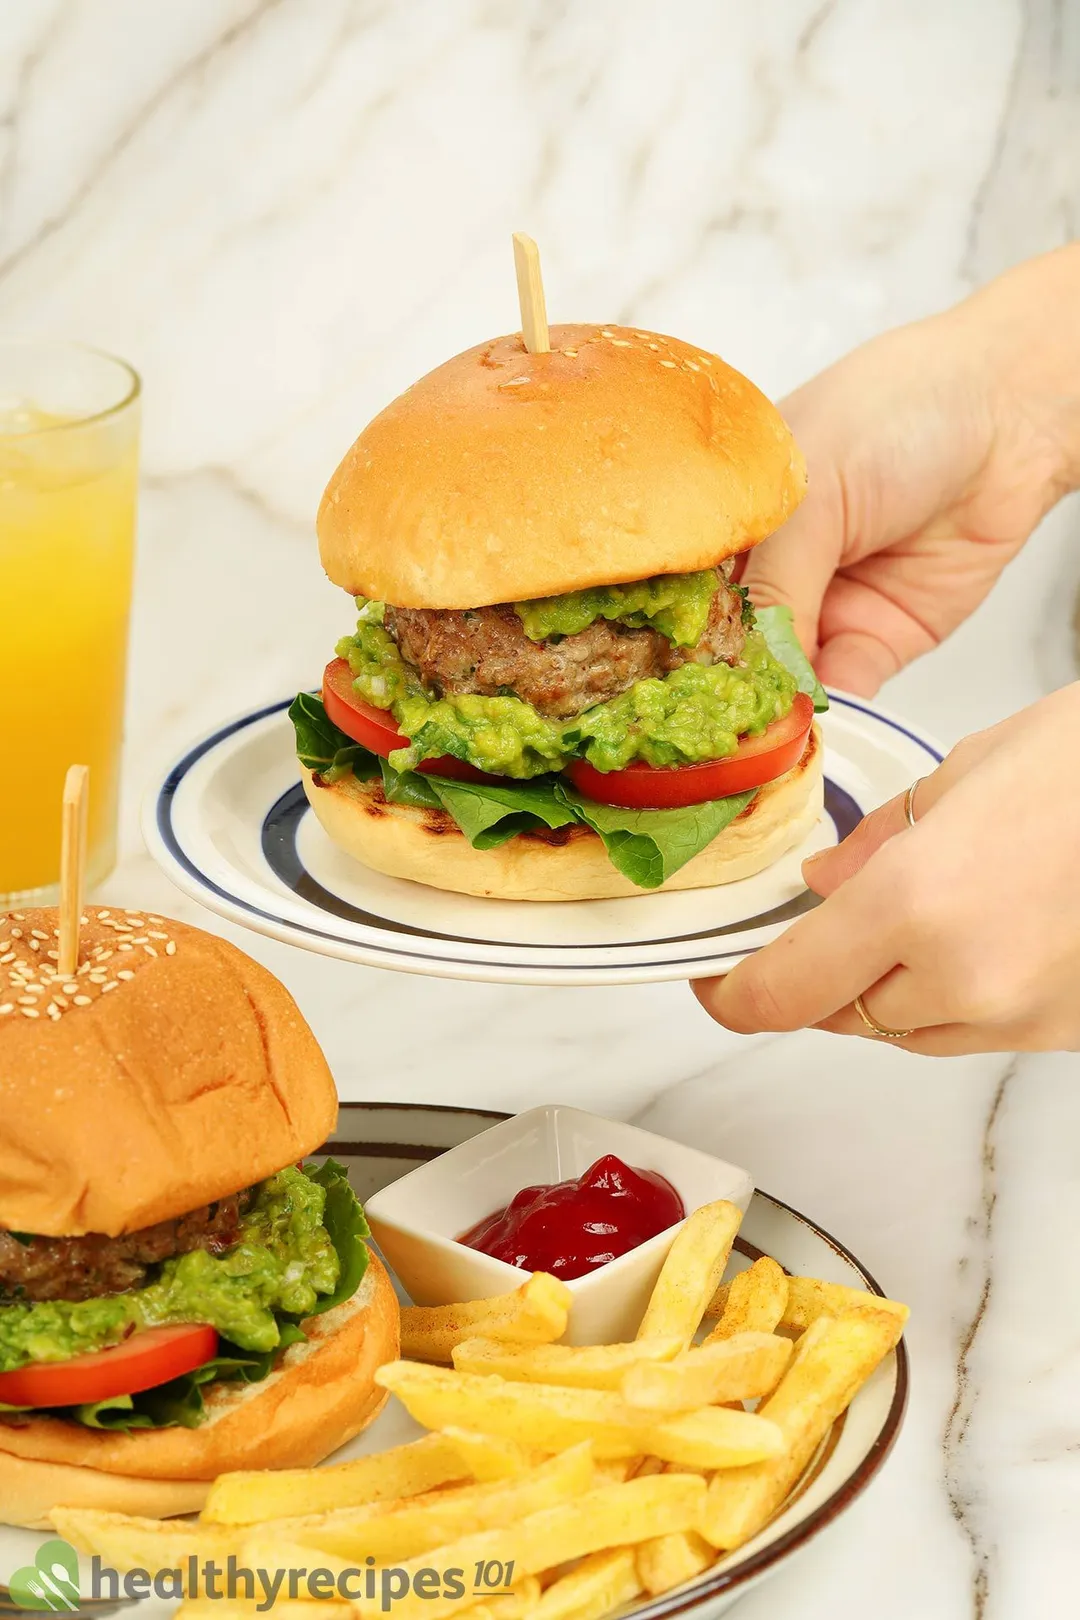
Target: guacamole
(677,605)
(283,1261)
(697,712)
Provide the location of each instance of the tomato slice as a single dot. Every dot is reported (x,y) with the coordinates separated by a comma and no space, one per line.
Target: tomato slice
(649,787)
(146,1359)
(376,728)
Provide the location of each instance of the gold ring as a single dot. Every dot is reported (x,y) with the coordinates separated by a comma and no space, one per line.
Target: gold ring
(909,800)
(872,1023)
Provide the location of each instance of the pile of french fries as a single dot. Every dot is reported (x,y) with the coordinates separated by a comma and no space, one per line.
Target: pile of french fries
(596,1474)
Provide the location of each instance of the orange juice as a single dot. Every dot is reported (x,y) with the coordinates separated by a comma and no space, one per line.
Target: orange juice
(67,521)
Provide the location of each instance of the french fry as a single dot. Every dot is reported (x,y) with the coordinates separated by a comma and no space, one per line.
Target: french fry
(489,1457)
(584,1366)
(250,1497)
(668,1561)
(553,1418)
(123,1541)
(610,1516)
(395,1531)
(535,1313)
(736,1369)
(808,1298)
(600,1583)
(657,1465)
(691,1272)
(754,1301)
(834,1357)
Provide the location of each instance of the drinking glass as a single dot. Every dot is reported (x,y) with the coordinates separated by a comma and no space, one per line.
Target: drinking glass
(69,438)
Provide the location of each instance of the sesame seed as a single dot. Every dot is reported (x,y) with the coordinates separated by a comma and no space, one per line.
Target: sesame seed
(571,353)
(170,949)
(103,916)
(36,933)
(27,1001)
(669,363)
(655,346)
(126,945)
(98,978)
(690,366)
(6,1007)
(620,343)
(29,1012)
(644,336)
(158,935)
(705,359)
(34,946)
(58,1000)
(112,985)
(136,922)
(605,331)
(140,939)
(53,1011)
(102,956)
(125,973)
(83,1001)
(151,950)
(70,989)
(9,956)
(16,933)
(20,916)
(54,956)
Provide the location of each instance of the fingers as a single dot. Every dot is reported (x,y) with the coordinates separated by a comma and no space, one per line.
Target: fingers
(856,661)
(795,565)
(829,868)
(815,968)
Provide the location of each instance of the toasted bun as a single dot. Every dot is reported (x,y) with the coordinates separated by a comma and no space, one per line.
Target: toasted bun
(569,863)
(504,475)
(322,1393)
(139,1097)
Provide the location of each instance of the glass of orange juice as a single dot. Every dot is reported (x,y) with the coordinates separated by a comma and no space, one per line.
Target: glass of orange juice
(69,439)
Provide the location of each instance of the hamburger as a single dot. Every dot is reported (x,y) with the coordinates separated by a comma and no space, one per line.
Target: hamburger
(556,689)
(181,1293)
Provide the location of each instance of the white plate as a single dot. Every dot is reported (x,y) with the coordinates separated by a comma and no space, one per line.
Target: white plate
(231,827)
(380,1142)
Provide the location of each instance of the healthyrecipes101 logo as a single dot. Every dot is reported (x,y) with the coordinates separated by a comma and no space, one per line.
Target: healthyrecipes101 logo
(52,1582)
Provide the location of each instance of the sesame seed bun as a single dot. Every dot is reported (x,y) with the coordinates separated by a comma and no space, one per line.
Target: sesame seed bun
(321,1394)
(504,475)
(168,1071)
(567,863)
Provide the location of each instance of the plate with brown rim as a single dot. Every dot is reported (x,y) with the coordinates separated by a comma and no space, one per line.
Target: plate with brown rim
(380,1142)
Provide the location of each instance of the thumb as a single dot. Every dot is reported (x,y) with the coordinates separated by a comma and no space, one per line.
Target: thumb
(795,565)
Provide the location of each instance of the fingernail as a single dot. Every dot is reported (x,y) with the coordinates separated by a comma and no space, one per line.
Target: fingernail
(815,860)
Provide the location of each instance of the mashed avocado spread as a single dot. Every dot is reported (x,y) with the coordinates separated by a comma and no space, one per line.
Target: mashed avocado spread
(675,604)
(284,1260)
(698,712)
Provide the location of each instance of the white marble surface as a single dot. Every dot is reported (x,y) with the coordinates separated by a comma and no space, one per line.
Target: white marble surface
(282,212)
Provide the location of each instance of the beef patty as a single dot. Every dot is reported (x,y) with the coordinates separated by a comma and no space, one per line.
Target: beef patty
(485,650)
(88,1267)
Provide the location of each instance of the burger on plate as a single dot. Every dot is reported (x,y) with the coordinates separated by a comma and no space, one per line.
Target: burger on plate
(180,1294)
(556,689)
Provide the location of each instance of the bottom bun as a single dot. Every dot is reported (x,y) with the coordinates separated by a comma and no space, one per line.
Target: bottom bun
(320,1395)
(565,863)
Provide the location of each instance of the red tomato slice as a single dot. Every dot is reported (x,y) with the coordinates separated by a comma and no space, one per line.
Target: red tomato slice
(146,1359)
(376,728)
(758,760)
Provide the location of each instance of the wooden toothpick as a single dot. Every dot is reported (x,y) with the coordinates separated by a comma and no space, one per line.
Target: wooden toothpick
(72,864)
(534,326)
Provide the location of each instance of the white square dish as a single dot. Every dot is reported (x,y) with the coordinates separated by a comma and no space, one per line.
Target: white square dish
(416,1221)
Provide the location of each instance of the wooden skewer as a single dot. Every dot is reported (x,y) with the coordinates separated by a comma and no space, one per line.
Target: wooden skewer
(530,285)
(72,864)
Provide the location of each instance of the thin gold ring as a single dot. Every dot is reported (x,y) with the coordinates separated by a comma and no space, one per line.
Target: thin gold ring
(909,800)
(873,1025)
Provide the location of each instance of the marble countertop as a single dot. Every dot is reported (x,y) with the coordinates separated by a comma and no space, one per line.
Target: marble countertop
(282,213)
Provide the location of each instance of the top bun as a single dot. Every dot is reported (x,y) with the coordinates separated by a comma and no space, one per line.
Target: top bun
(504,475)
(177,1071)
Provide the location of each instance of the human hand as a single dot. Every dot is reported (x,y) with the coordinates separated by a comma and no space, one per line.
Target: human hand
(964,929)
(933,452)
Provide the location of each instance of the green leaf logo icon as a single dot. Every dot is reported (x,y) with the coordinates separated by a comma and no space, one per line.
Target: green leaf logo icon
(51,1581)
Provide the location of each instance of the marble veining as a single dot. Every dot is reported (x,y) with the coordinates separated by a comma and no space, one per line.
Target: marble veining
(283,212)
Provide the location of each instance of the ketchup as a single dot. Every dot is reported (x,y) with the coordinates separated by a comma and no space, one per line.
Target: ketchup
(572,1227)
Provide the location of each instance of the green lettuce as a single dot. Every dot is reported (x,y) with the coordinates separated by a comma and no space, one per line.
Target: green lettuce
(649,846)
(777,625)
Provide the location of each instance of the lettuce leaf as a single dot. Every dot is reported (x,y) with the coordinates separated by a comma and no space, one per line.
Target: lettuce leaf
(321,747)
(649,846)
(777,625)
(489,815)
(347,1225)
